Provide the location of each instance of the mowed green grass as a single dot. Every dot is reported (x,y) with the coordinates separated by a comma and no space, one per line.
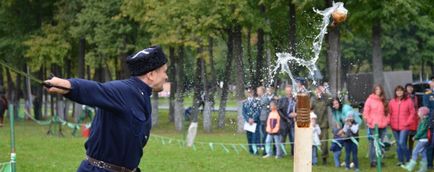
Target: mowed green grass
(37,151)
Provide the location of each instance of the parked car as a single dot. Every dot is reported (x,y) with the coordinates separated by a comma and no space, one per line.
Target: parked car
(419,90)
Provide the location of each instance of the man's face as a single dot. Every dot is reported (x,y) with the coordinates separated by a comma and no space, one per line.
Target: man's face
(288,91)
(431,84)
(260,91)
(159,78)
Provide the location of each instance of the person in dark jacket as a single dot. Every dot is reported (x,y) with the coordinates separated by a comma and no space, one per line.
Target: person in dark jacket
(287,107)
(122,124)
(264,102)
(428,101)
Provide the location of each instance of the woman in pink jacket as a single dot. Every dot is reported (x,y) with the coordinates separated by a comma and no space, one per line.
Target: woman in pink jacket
(401,110)
(375,113)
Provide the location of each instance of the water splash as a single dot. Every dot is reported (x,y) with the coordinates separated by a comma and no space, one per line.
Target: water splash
(284,59)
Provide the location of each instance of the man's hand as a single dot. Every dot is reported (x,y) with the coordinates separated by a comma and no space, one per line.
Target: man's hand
(293,114)
(58,82)
(251,121)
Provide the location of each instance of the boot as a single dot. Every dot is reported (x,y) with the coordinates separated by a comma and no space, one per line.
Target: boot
(423,167)
(410,165)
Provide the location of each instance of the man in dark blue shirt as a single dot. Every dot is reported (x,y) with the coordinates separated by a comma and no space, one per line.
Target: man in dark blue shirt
(122,123)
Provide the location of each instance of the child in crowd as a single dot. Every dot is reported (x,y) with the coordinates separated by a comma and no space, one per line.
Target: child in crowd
(273,127)
(351,132)
(316,142)
(337,144)
(422,136)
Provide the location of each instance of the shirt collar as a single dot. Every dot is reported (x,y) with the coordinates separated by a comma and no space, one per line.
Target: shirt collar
(141,85)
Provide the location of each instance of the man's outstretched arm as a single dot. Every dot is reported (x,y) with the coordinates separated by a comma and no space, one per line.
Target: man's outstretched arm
(104,96)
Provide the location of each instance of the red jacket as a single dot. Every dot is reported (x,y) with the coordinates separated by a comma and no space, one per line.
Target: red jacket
(373,112)
(415,121)
(401,113)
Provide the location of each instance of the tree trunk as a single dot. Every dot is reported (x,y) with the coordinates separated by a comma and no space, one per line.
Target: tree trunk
(334,59)
(226,78)
(37,102)
(46,96)
(431,64)
(81,60)
(81,74)
(197,96)
(251,65)
(377,59)
(29,96)
(124,72)
(292,28)
(260,68)
(179,97)
(172,78)
(209,87)
(88,72)
(2,86)
(18,94)
(11,88)
(207,118)
(238,53)
(154,108)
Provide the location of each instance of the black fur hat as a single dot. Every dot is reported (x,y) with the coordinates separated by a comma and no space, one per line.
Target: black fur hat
(146,60)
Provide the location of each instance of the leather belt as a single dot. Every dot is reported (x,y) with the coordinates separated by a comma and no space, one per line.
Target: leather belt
(108,166)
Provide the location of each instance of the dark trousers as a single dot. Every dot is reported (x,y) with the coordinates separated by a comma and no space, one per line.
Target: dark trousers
(351,150)
(2,114)
(253,140)
(289,132)
(430,151)
(324,145)
(410,143)
(263,133)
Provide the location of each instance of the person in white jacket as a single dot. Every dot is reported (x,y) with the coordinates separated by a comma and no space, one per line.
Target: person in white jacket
(316,143)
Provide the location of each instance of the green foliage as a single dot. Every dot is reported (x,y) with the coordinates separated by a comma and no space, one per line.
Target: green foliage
(50,47)
(48,32)
(106,32)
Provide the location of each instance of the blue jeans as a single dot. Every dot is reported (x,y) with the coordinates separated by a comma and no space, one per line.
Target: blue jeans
(253,140)
(336,158)
(351,150)
(420,148)
(382,133)
(277,141)
(401,137)
(314,155)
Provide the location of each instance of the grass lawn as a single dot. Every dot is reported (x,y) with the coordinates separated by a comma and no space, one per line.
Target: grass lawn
(38,152)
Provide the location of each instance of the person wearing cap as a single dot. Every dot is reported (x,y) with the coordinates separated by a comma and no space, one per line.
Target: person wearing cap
(422,137)
(319,103)
(428,101)
(122,124)
(250,111)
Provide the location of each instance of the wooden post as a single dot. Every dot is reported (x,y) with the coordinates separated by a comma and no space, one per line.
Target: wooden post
(303,135)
